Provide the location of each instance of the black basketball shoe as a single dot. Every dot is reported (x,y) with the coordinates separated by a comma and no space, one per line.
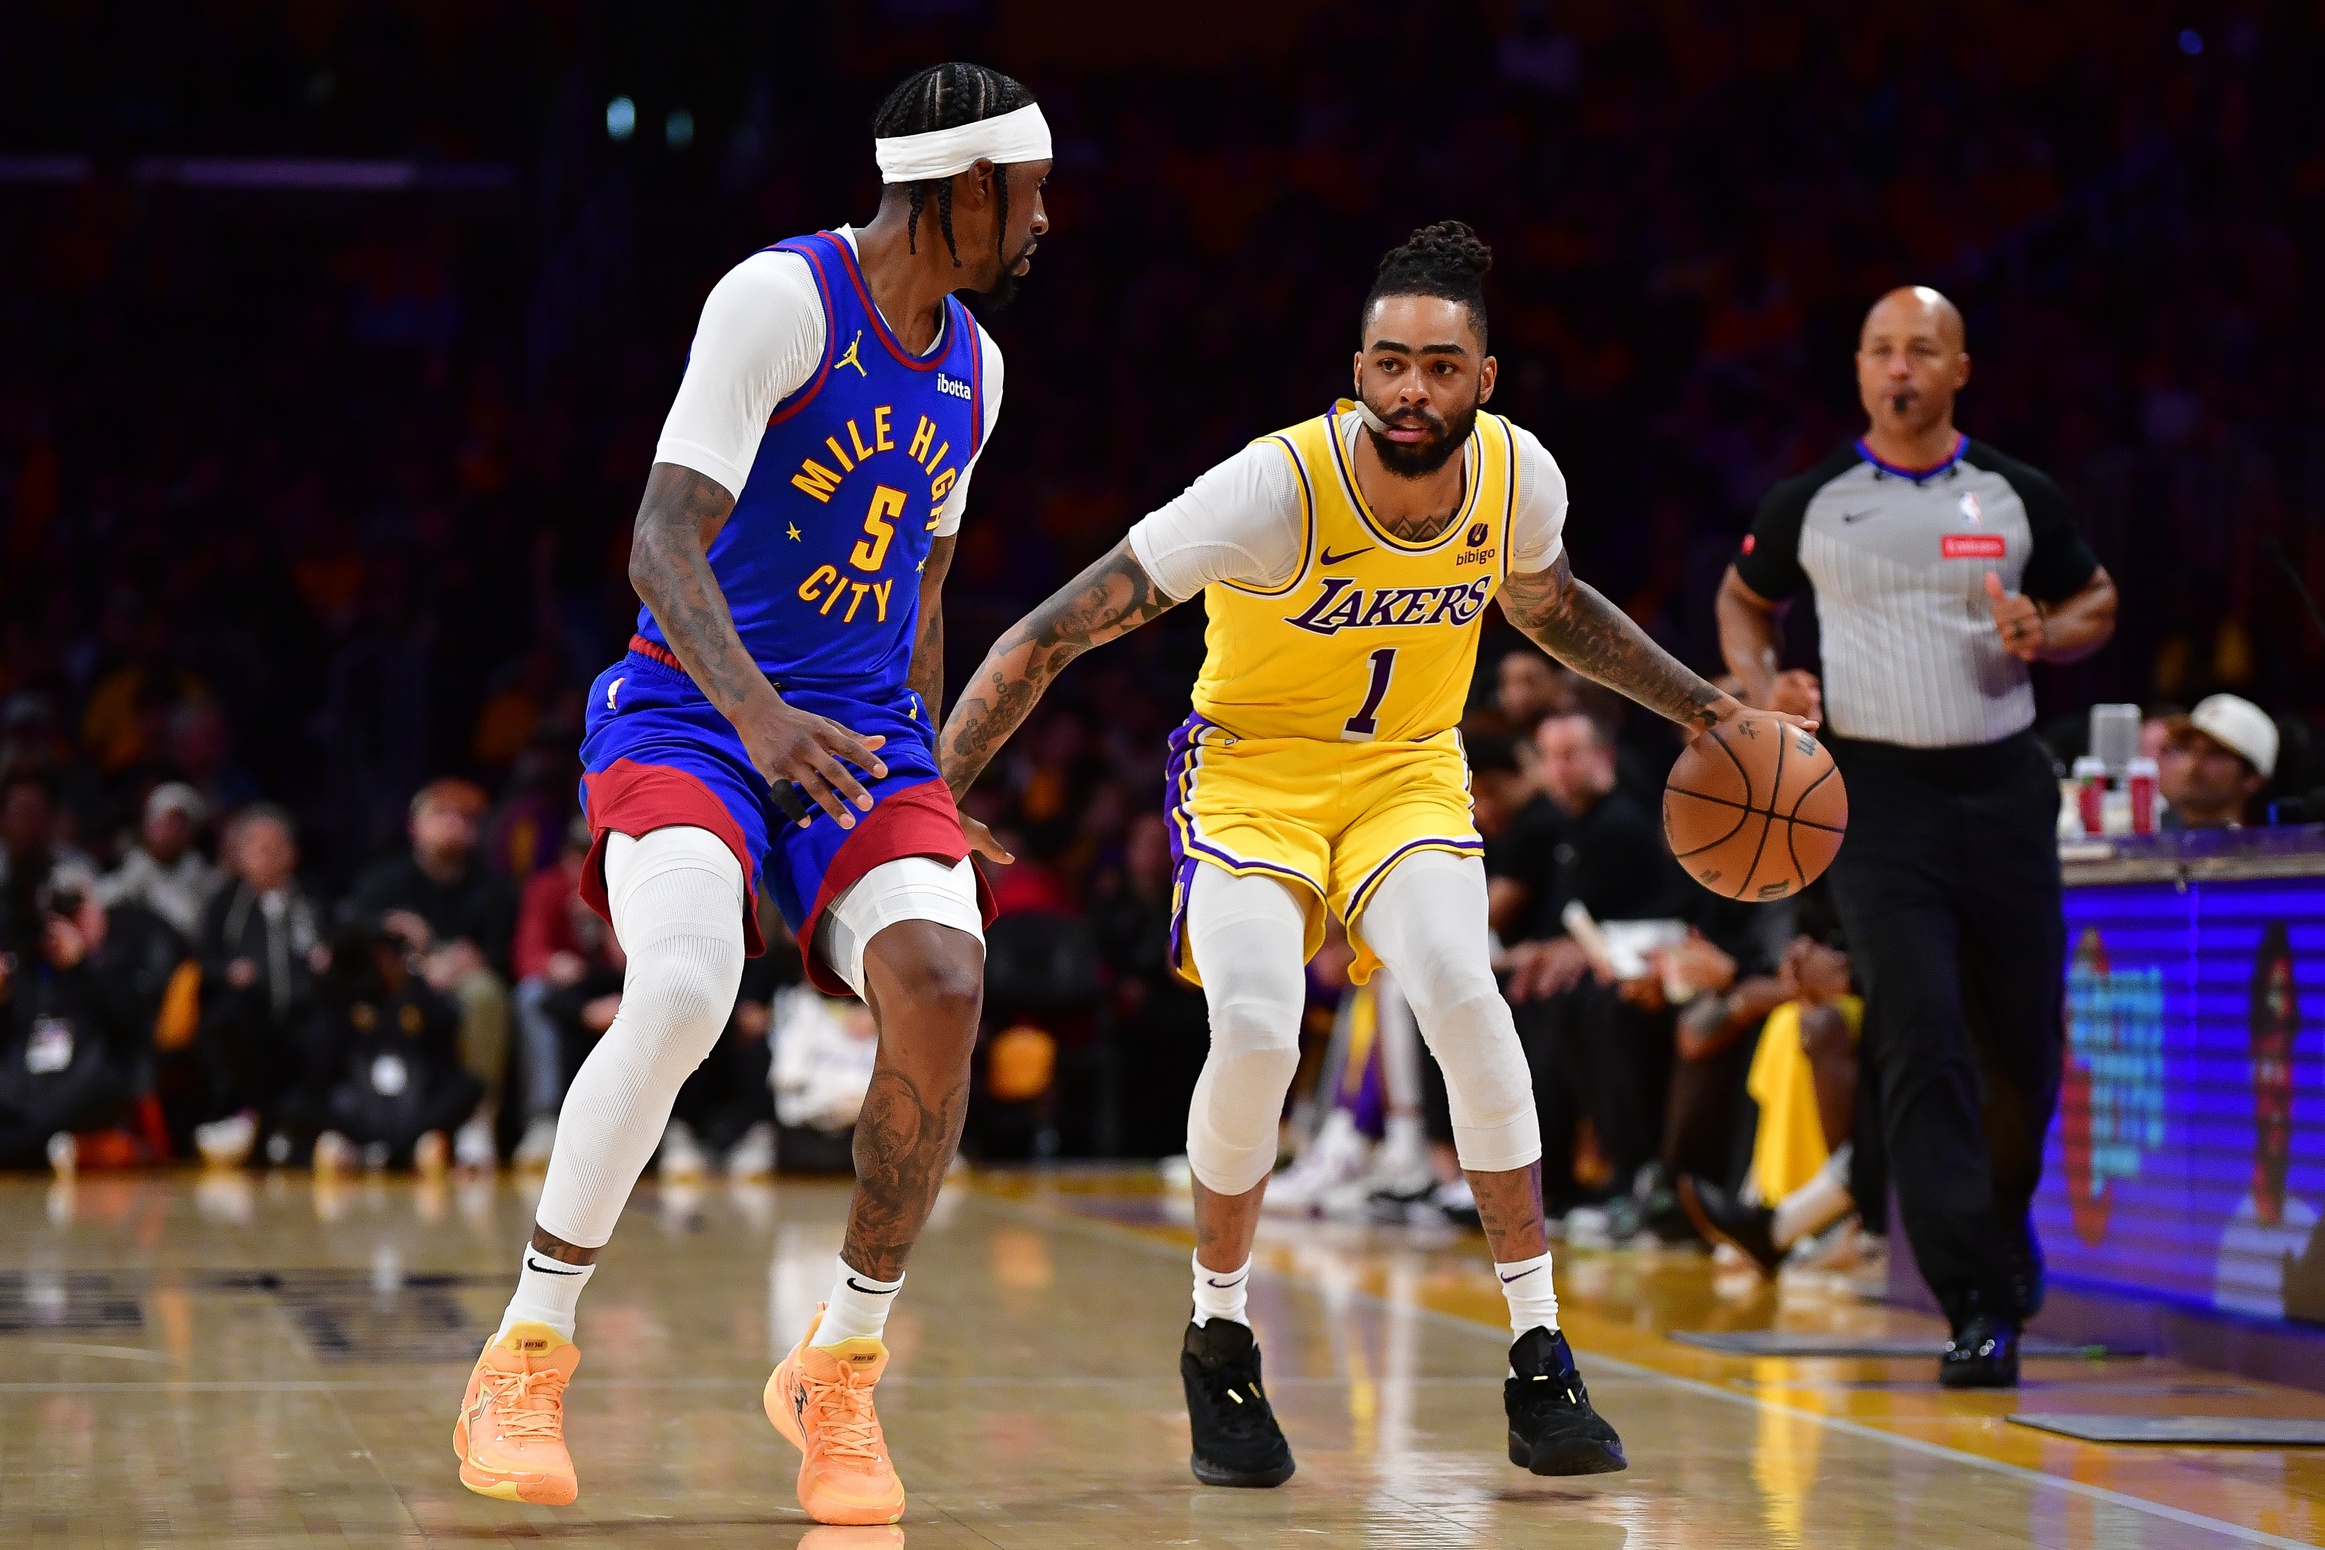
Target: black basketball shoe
(1237,1441)
(1983,1354)
(1722,1218)
(1553,1430)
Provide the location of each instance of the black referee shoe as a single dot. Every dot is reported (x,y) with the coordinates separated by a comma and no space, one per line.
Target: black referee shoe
(1553,1430)
(1237,1441)
(1983,1354)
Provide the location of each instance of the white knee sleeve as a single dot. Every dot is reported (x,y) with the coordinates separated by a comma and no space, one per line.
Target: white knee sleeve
(1248,936)
(908,888)
(1427,923)
(677,903)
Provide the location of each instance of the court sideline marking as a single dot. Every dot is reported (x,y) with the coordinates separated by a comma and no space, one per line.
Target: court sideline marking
(1008,1206)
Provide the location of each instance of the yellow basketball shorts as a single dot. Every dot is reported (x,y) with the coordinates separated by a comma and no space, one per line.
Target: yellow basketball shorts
(1327,819)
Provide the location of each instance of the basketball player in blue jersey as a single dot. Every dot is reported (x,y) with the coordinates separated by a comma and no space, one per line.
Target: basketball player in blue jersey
(775,715)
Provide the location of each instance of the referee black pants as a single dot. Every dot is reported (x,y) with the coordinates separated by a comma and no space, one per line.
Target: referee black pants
(1948,889)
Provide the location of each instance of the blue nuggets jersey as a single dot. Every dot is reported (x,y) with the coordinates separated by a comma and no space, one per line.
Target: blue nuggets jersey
(821,560)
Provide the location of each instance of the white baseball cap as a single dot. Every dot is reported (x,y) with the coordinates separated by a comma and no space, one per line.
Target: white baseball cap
(2239,726)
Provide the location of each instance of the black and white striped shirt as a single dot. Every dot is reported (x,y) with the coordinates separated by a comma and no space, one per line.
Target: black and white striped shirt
(1898,561)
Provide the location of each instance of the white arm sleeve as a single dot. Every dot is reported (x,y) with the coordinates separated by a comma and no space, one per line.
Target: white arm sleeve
(760,340)
(1537,532)
(948,517)
(1239,522)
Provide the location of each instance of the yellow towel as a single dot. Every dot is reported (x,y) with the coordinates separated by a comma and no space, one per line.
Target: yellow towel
(1790,1145)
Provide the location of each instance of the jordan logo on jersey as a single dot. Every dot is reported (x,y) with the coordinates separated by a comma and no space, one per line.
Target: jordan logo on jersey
(1343,605)
(851,358)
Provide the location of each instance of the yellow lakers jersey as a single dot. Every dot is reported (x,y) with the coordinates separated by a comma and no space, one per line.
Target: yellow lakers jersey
(1374,639)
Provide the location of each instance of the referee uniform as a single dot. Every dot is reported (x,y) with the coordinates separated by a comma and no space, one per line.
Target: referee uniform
(1948,883)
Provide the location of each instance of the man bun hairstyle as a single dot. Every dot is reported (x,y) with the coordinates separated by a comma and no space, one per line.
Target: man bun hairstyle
(1446,259)
(947,96)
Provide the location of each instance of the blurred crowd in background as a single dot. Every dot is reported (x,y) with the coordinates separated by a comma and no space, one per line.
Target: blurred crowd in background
(334,343)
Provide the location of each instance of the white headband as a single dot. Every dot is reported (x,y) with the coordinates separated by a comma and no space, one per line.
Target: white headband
(1020,135)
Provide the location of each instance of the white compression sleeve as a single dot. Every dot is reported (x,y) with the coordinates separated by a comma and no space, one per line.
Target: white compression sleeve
(1400,1045)
(908,888)
(1248,936)
(1427,922)
(677,904)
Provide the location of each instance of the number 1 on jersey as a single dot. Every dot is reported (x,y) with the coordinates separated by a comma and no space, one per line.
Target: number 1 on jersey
(1366,721)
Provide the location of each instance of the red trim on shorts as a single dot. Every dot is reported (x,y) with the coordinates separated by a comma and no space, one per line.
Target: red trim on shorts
(635,799)
(914,821)
(654,653)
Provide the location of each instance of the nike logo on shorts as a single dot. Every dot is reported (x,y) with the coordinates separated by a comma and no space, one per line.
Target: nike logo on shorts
(1327,557)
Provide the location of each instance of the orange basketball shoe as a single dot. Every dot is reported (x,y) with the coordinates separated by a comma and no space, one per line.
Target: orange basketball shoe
(511,1431)
(820,1399)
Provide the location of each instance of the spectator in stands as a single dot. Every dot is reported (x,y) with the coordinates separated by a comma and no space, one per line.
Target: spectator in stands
(1529,688)
(2215,760)
(260,945)
(442,902)
(29,848)
(164,870)
(560,943)
(1804,1081)
(1522,830)
(1597,1054)
(75,1046)
(388,1058)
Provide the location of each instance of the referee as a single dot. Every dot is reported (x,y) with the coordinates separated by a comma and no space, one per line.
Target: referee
(1941,570)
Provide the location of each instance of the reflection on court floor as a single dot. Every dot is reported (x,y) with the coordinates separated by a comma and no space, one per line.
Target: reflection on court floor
(209,1361)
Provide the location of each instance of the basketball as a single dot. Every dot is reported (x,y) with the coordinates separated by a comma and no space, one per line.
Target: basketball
(1755,809)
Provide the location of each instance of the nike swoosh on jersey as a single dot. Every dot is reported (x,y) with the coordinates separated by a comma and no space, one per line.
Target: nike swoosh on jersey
(1327,557)
(533,1264)
(1859,516)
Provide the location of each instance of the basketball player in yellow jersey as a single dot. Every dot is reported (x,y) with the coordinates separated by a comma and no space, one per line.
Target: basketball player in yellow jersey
(1345,564)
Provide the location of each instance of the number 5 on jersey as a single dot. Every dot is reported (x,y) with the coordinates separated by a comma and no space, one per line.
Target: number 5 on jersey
(879,529)
(1366,721)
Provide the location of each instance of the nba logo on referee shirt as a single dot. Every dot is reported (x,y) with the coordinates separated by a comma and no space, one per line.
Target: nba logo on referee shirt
(1970,508)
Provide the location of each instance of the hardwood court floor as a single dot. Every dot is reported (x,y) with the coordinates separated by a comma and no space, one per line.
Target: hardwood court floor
(200,1361)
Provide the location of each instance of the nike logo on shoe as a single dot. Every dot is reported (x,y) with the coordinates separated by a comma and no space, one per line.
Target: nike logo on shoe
(1327,557)
(1520,1276)
(533,1264)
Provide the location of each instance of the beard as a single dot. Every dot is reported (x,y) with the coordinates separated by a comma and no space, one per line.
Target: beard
(998,296)
(1416,459)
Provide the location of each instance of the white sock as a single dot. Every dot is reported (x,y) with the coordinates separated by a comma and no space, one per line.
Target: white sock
(1532,1296)
(1220,1294)
(548,1290)
(1406,1131)
(1816,1205)
(858,1307)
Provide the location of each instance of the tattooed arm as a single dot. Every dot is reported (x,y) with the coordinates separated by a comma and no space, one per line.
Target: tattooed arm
(927,673)
(1568,618)
(670,566)
(1113,597)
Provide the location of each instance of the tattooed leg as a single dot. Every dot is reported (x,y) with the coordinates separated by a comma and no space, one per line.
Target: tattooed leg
(1509,1206)
(1225,1226)
(926,985)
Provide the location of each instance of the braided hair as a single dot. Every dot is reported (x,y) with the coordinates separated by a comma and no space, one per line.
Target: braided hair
(1447,260)
(947,96)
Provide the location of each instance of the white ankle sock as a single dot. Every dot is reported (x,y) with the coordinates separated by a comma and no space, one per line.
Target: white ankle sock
(1220,1294)
(858,1307)
(1816,1205)
(1532,1296)
(548,1290)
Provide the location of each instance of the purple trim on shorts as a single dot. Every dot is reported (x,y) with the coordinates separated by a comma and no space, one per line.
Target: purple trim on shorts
(1362,894)
(1188,849)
